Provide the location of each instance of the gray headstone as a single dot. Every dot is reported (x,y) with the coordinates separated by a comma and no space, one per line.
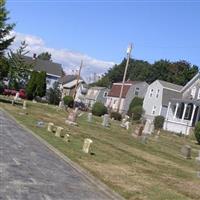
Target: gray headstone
(89,117)
(186,151)
(105,122)
(148,127)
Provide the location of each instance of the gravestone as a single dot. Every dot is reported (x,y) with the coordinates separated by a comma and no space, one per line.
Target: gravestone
(144,139)
(61,105)
(148,127)
(24,105)
(89,117)
(105,122)
(16,96)
(66,137)
(59,132)
(198,158)
(86,145)
(40,124)
(72,117)
(186,151)
(50,127)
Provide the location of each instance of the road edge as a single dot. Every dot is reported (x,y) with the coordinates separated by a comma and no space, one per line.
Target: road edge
(84,172)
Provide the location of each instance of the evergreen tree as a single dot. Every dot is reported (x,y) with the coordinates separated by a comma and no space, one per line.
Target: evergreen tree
(44,56)
(5,40)
(41,84)
(19,69)
(31,86)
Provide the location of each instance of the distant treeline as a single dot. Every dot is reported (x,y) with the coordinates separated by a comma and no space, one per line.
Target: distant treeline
(179,72)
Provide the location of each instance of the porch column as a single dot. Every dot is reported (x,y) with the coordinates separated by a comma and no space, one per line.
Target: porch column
(176,109)
(192,116)
(184,110)
(169,105)
(197,117)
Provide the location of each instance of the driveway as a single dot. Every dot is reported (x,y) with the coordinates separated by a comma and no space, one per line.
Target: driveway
(29,170)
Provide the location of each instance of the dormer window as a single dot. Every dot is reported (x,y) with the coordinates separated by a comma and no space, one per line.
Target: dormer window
(193,92)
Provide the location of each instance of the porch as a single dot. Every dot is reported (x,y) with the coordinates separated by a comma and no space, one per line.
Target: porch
(182,115)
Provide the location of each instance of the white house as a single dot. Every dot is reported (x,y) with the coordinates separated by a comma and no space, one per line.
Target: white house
(68,86)
(131,89)
(157,98)
(184,112)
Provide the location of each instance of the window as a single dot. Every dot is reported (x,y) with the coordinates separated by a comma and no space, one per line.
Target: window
(151,93)
(137,91)
(198,96)
(105,94)
(188,112)
(154,110)
(193,92)
(157,94)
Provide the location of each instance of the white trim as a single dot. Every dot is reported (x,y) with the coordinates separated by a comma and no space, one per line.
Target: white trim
(194,78)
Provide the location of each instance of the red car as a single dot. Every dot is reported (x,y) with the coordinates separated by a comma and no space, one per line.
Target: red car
(9,92)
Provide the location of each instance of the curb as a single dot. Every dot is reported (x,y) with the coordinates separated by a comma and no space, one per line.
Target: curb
(86,174)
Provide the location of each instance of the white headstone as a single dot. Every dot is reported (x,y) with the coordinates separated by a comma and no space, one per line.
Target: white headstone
(86,145)
(66,137)
(89,118)
(50,127)
(59,132)
(24,105)
(105,122)
(148,127)
(16,96)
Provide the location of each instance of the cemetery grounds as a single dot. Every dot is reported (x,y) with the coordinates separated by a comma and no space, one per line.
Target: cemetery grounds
(152,171)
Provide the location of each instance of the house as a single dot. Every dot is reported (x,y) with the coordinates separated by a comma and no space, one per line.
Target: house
(184,112)
(53,70)
(158,96)
(131,89)
(68,84)
(96,94)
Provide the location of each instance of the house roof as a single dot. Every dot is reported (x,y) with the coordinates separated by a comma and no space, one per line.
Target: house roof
(45,65)
(189,84)
(170,86)
(116,88)
(68,78)
(93,92)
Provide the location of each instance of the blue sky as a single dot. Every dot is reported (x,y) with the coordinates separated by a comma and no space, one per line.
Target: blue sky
(101,30)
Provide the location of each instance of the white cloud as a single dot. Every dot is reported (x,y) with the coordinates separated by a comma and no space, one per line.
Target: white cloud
(70,60)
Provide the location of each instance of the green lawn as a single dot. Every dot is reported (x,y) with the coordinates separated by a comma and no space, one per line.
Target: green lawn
(151,171)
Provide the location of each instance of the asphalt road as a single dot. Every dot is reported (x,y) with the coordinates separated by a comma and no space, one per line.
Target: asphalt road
(31,171)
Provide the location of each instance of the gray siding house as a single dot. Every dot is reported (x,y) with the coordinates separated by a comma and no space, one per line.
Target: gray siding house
(158,96)
(131,89)
(96,94)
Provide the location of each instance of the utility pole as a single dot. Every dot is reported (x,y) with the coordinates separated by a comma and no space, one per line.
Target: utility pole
(129,49)
(78,78)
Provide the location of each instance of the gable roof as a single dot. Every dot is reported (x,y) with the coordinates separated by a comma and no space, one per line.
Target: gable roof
(170,86)
(189,84)
(44,65)
(116,88)
(68,78)
(93,92)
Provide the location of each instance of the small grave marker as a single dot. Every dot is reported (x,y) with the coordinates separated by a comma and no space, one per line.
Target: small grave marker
(105,122)
(86,145)
(50,127)
(186,151)
(59,132)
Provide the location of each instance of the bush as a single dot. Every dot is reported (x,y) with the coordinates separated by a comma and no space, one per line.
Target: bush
(197,132)
(158,122)
(137,112)
(1,87)
(135,102)
(68,101)
(99,109)
(116,116)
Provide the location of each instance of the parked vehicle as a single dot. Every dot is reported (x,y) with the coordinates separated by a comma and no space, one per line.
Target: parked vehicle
(8,92)
(80,105)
